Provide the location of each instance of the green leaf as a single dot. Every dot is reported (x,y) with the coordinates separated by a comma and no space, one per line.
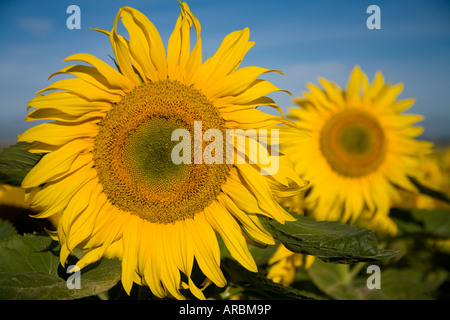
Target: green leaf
(6,229)
(329,240)
(406,284)
(335,280)
(30,269)
(341,282)
(434,223)
(15,163)
(28,253)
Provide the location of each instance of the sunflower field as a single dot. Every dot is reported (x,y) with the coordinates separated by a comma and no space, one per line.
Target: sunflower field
(158,176)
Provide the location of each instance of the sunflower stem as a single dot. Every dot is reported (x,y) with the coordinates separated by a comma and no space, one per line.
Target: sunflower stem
(103,295)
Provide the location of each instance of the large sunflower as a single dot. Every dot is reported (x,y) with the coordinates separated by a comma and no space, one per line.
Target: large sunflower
(108,170)
(361,151)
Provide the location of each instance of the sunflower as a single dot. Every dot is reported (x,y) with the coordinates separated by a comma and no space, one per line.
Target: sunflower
(283,265)
(14,209)
(12,196)
(108,170)
(361,151)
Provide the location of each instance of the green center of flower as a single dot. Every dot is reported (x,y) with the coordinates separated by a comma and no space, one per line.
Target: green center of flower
(132,153)
(353,143)
(356,139)
(147,153)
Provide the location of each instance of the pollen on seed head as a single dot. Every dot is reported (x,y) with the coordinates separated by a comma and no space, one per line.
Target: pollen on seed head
(133,147)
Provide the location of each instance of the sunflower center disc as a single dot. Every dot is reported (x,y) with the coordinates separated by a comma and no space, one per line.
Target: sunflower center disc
(132,153)
(353,143)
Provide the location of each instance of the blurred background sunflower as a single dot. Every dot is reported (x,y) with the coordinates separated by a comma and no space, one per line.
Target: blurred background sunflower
(14,209)
(362,149)
(356,134)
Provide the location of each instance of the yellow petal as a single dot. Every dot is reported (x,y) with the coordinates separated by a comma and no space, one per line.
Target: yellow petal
(261,101)
(376,86)
(122,53)
(157,50)
(55,114)
(131,235)
(79,216)
(83,89)
(253,229)
(236,82)
(231,234)
(195,59)
(114,78)
(402,105)
(107,229)
(386,97)
(152,271)
(90,75)
(258,89)
(353,92)
(286,173)
(226,59)
(402,121)
(174,50)
(259,187)
(333,92)
(54,164)
(241,196)
(184,255)
(206,248)
(145,44)
(318,97)
(68,103)
(183,65)
(54,196)
(170,275)
(90,257)
(59,134)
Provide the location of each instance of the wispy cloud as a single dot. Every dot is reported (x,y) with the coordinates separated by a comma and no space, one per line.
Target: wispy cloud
(38,27)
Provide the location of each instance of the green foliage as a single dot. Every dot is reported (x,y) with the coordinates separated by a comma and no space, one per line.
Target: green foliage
(15,163)
(329,240)
(432,223)
(342,282)
(419,271)
(6,229)
(256,285)
(30,269)
(413,263)
(337,281)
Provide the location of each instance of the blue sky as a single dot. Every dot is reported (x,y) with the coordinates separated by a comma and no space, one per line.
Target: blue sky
(304,39)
